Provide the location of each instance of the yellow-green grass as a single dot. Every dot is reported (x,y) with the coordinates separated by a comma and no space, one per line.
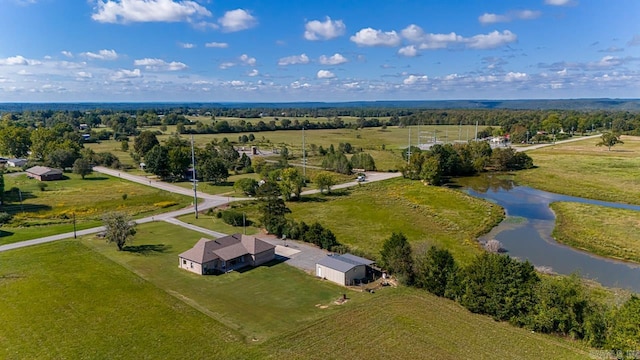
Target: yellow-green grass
(115,148)
(604,231)
(225,188)
(211,222)
(412,324)
(52,211)
(64,301)
(586,170)
(259,303)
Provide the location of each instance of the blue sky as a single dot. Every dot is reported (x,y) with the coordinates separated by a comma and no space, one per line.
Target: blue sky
(254,51)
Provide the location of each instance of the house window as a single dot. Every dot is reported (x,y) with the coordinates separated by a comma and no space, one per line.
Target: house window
(184,262)
(192,265)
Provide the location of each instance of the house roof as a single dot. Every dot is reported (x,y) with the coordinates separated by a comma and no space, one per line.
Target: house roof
(225,248)
(16,160)
(43,170)
(343,263)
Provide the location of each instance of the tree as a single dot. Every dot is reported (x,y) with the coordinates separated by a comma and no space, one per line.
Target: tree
(609,140)
(324,180)
(212,169)
(434,269)
(157,161)
(624,333)
(15,140)
(119,228)
(61,158)
(1,187)
(431,171)
(273,208)
(396,257)
(179,158)
(247,185)
(363,161)
(145,142)
(292,183)
(82,167)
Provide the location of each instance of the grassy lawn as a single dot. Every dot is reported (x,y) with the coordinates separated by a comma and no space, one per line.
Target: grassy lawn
(411,324)
(213,223)
(367,215)
(586,170)
(223,189)
(259,303)
(51,211)
(64,301)
(597,229)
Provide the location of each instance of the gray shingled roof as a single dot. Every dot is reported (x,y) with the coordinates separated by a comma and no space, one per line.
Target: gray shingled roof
(43,170)
(225,248)
(343,263)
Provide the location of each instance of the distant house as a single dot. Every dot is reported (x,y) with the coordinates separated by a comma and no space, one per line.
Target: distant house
(226,253)
(16,162)
(343,269)
(44,173)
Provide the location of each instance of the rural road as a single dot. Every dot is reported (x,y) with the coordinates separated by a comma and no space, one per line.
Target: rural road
(210,201)
(538,146)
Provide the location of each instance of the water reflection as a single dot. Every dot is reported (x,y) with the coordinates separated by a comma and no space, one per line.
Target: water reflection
(526,232)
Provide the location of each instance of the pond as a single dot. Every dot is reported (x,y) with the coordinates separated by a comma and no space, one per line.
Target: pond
(526,232)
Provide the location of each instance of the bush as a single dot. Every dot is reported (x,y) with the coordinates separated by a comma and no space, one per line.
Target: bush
(165,204)
(233,218)
(5,217)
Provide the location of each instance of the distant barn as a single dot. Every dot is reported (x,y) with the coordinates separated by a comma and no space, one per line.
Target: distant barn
(43,173)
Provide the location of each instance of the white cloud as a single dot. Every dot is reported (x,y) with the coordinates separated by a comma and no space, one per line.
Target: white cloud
(299,85)
(101,55)
(187,45)
(84,75)
(294,60)
(19,60)
(488,18)
(324,30)
(226,65)
(129,11)
(491,40)
(253,72)
(126,74)
(413,79)
(237,83)
(217,45)
(335,59)
(325,74)
(68,54)
(408,51)
(159,65)
(237,20)
(515,76)
(247,60)
(559,2)
(372,37)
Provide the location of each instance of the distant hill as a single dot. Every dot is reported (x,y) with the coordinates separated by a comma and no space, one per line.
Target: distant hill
(552,104)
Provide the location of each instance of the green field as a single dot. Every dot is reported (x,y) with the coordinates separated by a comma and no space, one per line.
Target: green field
(84,299)
(48,212)
(586,170)
(597,229)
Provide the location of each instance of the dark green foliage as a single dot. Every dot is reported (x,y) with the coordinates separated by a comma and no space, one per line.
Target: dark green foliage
(212,169)
(624,330)
(119,228)
(434,269)
(247,185)
(145,142)
(363,161)
(179,159)
(5,218)
(273,208)
(320,236)
(82,167)
(499,286)
(336,161)
(157,161)
(61,158)
(233,218)
(609,139)
(1,187)
(345,148)
(508,159)
(107,159)
(396,257)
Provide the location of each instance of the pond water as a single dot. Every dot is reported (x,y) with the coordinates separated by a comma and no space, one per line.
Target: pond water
(526,232)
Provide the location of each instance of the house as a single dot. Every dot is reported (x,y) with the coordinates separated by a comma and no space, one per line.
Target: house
(43,173)
(16,162)
(343,269)
(226,254)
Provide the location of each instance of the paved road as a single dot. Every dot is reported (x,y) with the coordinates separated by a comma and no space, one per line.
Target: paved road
(538,146)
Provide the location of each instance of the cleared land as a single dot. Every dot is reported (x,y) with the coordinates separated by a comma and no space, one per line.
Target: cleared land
(586,170)
(600,230)
(77,303)
(409,324)
(48,212)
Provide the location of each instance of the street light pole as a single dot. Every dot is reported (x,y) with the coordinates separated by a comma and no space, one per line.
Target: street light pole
(74,226)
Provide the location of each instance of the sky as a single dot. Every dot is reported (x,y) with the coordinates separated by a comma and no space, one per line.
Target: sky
(323,50)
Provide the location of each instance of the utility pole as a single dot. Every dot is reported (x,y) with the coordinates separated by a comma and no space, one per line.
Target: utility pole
(244,223)
(409,148)
(193,177)
(476,130)
(304,156)
(74,226)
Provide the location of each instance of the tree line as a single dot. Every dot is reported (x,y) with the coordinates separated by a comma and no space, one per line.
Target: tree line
(511,290)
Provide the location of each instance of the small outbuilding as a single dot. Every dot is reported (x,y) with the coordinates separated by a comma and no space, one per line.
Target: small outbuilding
(43,173)
(343,269)
(16,162)
(226,254)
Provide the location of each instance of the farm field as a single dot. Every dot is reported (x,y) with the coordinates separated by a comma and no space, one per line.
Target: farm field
(597,229)
(586,170)
(101,303)
(51,211)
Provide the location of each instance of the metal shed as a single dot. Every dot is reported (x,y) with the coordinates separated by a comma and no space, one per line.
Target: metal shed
(343,269)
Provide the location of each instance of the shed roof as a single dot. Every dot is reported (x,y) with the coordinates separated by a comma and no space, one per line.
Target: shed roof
(43,170)
(343,263)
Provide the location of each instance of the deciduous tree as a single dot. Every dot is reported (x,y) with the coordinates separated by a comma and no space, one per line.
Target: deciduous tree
(119,228)
(82,167)
(396,257)
(609,140)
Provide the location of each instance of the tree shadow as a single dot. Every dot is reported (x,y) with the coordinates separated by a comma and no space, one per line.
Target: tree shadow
(147,249)
(5,233)
(15,208)
(313,199)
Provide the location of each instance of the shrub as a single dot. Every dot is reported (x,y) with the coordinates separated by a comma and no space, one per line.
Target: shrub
(233,218)
(42,186)
(165,204)
(5,217)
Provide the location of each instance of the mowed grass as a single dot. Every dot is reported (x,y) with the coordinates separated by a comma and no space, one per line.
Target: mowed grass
(43,213)
(259,303)
(64,301)
(604,231)
(225,188)
(411,324)
(365,216)
(586,170)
